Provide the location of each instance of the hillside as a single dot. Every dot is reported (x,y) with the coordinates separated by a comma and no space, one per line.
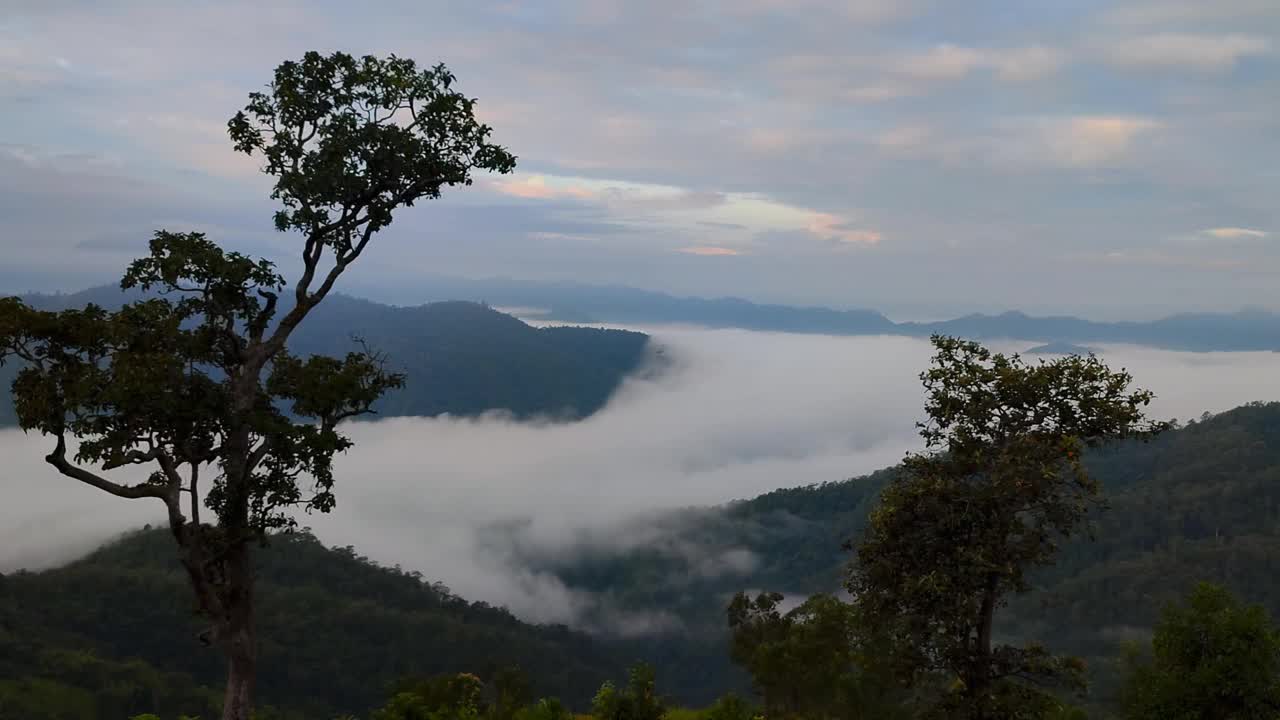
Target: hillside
(1199,503)
(460,358)
(337,630)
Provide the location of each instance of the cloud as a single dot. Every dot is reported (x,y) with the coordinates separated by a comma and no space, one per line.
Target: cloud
(1151,258)
(709,251)
(833,227)
(1146,13)
(1201,52)
(952,62)
(904,137)
(1096,140)
(536,187)
(942,62)
(1234,233)
(1027,63)
(479,503)
(658,199)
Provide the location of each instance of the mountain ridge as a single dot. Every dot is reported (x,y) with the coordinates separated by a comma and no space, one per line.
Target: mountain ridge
(459,358)
(1247,329)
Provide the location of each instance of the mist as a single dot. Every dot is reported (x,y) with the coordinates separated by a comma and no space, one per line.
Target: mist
(732,414)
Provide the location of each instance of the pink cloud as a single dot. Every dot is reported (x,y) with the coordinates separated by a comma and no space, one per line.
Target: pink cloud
(833,227)
(535,187)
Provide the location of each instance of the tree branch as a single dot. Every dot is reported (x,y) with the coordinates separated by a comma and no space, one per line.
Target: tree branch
(195,493)
(58,459)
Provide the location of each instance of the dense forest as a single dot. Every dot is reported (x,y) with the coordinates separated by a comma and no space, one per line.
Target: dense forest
(1200,502)
(338,632)
(460,358)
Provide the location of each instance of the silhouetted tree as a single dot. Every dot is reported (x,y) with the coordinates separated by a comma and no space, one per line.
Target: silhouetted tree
(1001,484)
(194,381)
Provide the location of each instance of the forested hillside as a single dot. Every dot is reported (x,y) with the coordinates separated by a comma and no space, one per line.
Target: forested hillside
(113,635)
(1201,502)
(460,358)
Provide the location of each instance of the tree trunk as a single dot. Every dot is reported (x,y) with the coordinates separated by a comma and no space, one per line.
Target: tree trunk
(239,641)
(979,682)
(238,702)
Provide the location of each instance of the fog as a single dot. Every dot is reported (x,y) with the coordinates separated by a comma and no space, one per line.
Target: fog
(732,414)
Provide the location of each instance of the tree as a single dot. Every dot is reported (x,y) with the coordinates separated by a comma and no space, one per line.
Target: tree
(198,377)
(999,486)
(448,697)
(1211,659)
(639,700)
(814,661)
(730,707)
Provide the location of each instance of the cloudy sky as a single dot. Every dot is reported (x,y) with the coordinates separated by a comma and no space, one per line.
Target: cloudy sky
(1113,159)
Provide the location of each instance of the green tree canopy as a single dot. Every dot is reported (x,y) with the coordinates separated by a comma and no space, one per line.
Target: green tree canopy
(1212,658)
(999,487)
(638,700)
(814,661)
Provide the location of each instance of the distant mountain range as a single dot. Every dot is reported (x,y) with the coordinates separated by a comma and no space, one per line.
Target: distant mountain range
(460,358)
(1244,330)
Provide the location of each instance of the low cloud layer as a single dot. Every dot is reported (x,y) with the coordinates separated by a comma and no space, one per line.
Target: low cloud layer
(735,414)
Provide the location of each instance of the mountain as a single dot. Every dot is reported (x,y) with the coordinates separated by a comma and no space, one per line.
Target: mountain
(1201,502)
(113,635)
(570,302)
(1059,348)
(1197,332)
(460,358)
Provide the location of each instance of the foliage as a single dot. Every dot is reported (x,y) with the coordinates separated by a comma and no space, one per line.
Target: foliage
(638,700)
(200,377)
(814,661)
(1001,484)
(730,707)
(455,697)
(1211,657)
(545,709)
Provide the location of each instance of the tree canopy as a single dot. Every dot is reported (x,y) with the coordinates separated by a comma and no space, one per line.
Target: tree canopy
(1001,484)
(1211,658)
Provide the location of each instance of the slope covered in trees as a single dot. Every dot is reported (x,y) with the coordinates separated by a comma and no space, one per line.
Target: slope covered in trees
(460,358)
(337,631)
(1198,503)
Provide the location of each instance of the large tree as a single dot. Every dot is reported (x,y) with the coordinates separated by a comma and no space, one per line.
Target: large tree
(1000,485)
(195,383)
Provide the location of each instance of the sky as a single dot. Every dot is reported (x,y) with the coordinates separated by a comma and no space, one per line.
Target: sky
(1111,159)
(737,414)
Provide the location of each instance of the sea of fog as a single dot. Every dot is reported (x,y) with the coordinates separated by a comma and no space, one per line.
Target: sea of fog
(734,413)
